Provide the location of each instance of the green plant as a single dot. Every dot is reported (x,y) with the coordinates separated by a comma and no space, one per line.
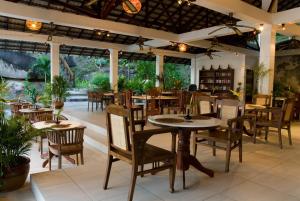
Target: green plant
(59,88)
(148,84)
(46,98)
(259,72)
(31,91)
(3,87)
(40,68)
(121,83)
(101,82)
(135,85)
(81,84)
(15,141)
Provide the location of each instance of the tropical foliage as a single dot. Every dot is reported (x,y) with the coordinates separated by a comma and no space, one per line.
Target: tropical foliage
(259,72)
(59,88)
(31,91)
(100,81)
(15,141)
(40,69)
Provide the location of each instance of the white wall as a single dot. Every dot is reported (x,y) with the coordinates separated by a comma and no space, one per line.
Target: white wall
(251,61)
(235,61)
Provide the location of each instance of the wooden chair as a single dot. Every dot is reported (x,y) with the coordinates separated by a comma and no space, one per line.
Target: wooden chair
(153,103)
(95,98)
(177,106)
(279,118)
(65,142)
(46,117)
(138,110)
(262,99)
(229,135)
(126,144)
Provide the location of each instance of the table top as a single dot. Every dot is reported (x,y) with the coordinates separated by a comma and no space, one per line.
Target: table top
(254,106)
(144,97)
(108,94)
(63,125)
(178,121)
(30,110)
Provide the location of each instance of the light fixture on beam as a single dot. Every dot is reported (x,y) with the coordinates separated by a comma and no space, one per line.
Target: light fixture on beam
(132,6)
(182,47)
(188,2)
(33,25)
(283,27)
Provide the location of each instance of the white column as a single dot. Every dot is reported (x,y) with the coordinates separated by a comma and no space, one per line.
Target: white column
(267,57)
(54,59)
(114,66)
(159,68)
(193,71)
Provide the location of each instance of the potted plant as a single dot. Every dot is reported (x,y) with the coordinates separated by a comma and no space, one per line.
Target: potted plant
(260,72)
(15,143)
(46,99)
(59,91)
(32,92)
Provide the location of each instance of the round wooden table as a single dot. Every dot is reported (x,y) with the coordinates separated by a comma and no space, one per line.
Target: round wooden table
(184,158)
(63,125)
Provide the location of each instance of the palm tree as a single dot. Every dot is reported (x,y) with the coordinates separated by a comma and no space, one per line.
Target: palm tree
(40,68)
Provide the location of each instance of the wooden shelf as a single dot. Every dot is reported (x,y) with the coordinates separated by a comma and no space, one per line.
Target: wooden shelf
(211,80)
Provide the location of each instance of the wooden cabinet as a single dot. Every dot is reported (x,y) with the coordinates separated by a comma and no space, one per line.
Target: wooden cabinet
(216,80)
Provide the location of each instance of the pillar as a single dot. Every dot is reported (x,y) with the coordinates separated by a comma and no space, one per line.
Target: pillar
(267,58)
(113,73)
(54,59)
(193,71)
(159,68)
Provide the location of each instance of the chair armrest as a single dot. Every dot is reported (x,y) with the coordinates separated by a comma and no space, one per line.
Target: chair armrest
(149,133)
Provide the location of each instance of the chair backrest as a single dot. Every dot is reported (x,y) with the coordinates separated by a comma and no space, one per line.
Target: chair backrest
(40,114)
(128,98)
(228,109)
(205,104)
(288,109)
(43,117)
(151,102)
(117,127)
(66,136)
(262,99)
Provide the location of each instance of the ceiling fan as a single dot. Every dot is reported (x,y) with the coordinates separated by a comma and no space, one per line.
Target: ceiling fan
(210,51)
(293,43)
(129,6)
(232,24)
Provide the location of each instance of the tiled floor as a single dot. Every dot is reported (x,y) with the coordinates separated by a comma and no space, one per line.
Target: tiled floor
(267,173)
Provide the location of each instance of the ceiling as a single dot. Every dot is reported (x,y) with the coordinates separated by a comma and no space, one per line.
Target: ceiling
(164,15)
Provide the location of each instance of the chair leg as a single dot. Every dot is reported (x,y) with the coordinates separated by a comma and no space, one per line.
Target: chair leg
(280,138)
(172,174)
(59,160)
(266,134)
(214,148)
(77,160)
(108,168)
(290,135)
(133,181)
(241,150)
(228,154)
(49,160)
(88,105)
(183,179)
(81,158)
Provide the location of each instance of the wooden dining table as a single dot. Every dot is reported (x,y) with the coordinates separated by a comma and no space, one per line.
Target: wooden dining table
(63,125)
(144,97)
(185,127)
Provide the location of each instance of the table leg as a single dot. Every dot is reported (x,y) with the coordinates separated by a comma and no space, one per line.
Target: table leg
(184,158)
